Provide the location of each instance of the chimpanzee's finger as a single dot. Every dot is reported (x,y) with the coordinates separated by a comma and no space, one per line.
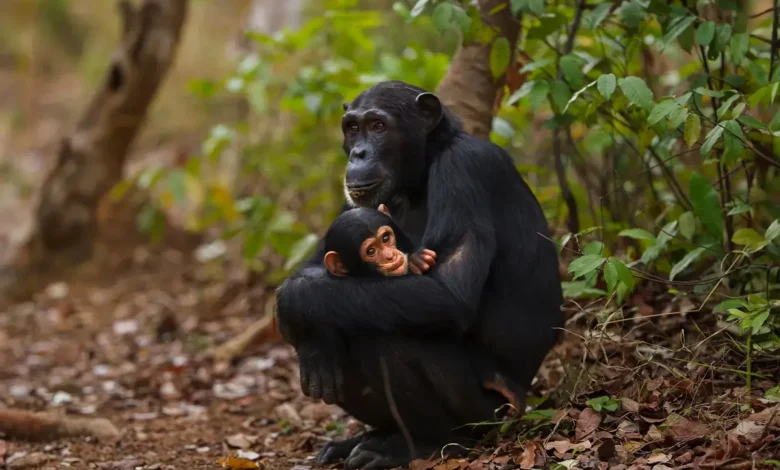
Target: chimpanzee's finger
(328,385)
(383,209)
(430,253)
(414,269)
(314,382)
(339,383)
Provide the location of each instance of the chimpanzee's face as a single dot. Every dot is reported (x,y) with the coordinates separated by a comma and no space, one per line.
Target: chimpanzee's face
(380,251)
(372,139)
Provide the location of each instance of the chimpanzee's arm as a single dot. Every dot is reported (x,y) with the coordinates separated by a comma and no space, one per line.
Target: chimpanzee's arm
(446,300)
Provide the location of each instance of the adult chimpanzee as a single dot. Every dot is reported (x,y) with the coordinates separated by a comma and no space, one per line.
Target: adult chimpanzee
(493,297)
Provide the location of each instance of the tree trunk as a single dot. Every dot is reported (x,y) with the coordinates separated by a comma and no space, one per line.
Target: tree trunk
(91,159)
(469,89)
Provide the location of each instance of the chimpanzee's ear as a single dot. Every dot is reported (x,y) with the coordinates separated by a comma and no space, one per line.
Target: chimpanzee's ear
(333,264)
(346,105)
(430,109)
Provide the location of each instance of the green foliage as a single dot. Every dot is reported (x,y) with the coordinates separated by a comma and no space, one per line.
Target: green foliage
(603,403)
(666,117)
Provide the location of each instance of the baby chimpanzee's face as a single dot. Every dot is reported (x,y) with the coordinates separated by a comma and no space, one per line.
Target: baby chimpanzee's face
(380,250)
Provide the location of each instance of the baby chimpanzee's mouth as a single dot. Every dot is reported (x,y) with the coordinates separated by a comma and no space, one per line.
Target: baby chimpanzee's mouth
(397,268)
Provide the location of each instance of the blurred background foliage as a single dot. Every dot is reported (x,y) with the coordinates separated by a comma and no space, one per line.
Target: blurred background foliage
(659,116)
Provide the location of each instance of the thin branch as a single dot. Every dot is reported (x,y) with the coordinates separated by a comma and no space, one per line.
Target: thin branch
(773,55)
(573,220)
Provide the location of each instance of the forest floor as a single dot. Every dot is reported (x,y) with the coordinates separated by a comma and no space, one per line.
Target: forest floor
(657,387)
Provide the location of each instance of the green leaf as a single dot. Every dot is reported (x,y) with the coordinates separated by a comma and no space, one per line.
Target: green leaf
(773,231)
(739,47)
(692,129)
(572,71)
(418,8)
(219,138)
(611,275)
(500,56)
(301,250)
(676,28)
(560,94)
(536,6)
(585,264)
(538,94)
(774,124)
(441,16)
(518,6)
(705,33)
(749,238)
(576,95)
(733,138)
(711,93)
(621,271)
(636,91)
(253,243)
(726,105)
(256,94)
(637,234)
(661,110)
(706,205)
(177,186)
(750,121)
(677,117)
(740,207)
(758,321)
(712,138)
(632,14)
(686,261)
(687,224)
(599,14)
(722,36)
(606,85)
(738,109)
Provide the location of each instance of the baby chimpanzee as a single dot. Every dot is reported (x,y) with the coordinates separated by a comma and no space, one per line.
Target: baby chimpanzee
(366,242)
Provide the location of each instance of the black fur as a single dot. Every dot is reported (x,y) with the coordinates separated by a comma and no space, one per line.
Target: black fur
(494,292)
(350,229)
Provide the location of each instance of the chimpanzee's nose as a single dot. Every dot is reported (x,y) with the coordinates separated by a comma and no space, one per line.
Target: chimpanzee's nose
(358,153)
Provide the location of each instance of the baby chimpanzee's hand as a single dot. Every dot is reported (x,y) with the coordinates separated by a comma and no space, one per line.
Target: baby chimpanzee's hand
(422,261)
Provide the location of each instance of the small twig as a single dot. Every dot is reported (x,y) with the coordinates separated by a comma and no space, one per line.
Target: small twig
(761,13)
(773,54)
(573,223)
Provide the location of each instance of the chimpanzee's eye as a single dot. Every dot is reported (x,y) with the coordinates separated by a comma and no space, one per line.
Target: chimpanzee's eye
(378,126)
(352,127)
(371,251)
(386,237)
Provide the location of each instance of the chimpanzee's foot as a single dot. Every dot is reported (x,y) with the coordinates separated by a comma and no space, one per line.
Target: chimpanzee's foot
(338,450)
(390,452)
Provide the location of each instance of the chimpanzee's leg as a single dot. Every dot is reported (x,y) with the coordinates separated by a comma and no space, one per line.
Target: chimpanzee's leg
(433,387)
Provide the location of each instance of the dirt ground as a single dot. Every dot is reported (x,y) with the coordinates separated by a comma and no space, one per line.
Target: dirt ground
(134,349)
(132,346)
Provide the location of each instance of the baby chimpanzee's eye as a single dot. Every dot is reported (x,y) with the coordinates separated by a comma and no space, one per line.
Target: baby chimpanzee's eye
(386,237)
(371,251)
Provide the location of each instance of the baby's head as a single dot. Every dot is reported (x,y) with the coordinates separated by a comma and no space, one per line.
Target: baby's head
(363,242)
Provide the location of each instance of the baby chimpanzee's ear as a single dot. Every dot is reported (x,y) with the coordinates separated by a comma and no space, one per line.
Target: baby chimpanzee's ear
(333,264)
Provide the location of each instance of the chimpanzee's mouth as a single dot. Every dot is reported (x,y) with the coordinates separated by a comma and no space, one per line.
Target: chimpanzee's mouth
(363,187)
(398,267)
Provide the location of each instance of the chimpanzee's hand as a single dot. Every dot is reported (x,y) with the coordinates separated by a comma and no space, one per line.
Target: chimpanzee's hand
(321,365)
(422,260)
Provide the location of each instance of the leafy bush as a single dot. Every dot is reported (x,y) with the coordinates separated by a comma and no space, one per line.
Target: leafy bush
(661,115)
